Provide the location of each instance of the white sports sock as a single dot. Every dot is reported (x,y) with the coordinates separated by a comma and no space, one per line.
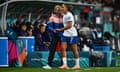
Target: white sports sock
(77,61)
(64,60)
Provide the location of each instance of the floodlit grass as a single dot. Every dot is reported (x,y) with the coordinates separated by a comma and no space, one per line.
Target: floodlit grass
(119,60)
(91,69)
(95,69)
(119,57)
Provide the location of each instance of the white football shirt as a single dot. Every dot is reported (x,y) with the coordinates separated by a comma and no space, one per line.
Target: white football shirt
(71,31)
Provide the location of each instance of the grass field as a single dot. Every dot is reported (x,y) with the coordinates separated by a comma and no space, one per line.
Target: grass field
(94,69)
(91,69)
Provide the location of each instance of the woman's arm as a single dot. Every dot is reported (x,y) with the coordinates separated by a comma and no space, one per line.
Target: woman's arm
(69,25)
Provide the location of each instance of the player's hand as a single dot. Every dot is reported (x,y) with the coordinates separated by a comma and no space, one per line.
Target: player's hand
(55,31)
(58,29)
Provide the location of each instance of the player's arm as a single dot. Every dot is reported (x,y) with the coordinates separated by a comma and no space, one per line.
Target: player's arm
(69,25)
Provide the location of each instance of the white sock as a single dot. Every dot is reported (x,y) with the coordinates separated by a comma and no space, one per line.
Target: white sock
(77,61)
(64,61)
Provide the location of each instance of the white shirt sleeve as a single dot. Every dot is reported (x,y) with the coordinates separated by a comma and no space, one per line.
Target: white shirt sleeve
(69,18)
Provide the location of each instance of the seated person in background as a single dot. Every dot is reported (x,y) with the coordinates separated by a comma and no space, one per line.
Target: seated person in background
(29,31)
(92,26)
(22,31)
(97,36)
(16,27)
(43,39)
(29,25)
(36,28)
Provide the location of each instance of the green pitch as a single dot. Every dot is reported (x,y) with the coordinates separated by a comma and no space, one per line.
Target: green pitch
(95,69)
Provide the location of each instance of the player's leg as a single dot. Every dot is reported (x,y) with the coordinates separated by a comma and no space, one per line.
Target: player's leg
(76,55)
(63,53)
(73,41)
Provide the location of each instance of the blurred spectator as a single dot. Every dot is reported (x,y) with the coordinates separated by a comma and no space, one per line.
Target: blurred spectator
(36,28)
(42,39)
(22,31)
(29,31)
(97,36)
(85,11)
(116,25)
(29,25)
(81,18)
(92,26)
(94,2)
(90,15)
(98,33)
(17,26)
